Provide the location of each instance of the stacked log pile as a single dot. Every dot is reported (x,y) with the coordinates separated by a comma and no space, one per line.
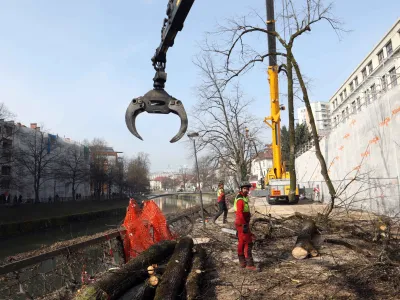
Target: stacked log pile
(142,277)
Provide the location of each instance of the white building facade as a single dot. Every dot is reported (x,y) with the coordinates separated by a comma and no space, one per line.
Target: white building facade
(321,115)
(16,174)
(374,76)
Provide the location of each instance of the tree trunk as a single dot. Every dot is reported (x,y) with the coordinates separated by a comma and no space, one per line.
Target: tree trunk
(173,280)
(143,291)
(320,157)
(37,191)
(73,189)
(304,246)
(292,134)
(195,276)
(115,284)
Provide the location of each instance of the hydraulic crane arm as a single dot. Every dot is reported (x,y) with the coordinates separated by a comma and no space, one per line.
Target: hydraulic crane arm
(157,100)
(177,12)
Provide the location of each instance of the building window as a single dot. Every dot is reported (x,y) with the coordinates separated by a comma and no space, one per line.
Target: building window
(367,96)
(389,48)
(5,184)
(393,77)
(356,81)
(370,68)
(341,97)
(373,91)
(345,93)
(384,83)
(380,56)
(353,106)
(359,103)
(347,112)
(364,73)
(5,170)
(351,86)
(7,144)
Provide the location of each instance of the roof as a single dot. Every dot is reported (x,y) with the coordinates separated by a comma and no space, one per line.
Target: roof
(266,154)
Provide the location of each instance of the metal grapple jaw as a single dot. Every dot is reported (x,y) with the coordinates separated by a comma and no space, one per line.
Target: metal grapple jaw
(156,101)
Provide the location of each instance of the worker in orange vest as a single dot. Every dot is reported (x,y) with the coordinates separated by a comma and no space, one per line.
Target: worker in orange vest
(242,224)
(221,203)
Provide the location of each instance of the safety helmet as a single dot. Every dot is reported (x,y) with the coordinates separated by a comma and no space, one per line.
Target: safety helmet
(245,184)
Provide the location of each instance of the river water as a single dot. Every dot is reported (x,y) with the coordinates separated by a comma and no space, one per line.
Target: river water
(36,240)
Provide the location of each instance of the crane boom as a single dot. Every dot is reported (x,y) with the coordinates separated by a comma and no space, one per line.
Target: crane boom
(274,120)
(277,179)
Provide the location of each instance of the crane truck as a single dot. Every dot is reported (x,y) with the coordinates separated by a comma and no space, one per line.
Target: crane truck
(277,179)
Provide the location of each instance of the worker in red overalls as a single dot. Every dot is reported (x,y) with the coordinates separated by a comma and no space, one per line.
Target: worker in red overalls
(242,220)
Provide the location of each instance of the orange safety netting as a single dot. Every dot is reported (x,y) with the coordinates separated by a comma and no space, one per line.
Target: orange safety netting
(144,227)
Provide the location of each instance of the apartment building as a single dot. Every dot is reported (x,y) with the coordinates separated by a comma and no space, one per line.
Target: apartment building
(374,76)
(321,115)
(22,147)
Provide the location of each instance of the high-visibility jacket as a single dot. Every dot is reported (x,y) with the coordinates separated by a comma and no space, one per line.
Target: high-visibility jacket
(242,209)
(221,195)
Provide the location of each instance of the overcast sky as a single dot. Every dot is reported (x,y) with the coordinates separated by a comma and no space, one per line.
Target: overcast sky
(74,65)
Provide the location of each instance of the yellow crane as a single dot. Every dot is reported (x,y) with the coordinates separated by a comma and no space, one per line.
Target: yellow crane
(277,180)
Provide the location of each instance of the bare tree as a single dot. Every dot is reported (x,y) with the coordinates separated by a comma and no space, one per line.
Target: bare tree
(98,162)
(74,167)
(8,129)
(36,157)
(296,21)
(138,173)
(168,182)
(222,119)
(184,176)
(207,172)
(120,178)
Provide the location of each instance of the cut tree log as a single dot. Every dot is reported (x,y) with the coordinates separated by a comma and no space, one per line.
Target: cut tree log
(114,284)
(304,246)
(195,276)
(174,277)
(143,291)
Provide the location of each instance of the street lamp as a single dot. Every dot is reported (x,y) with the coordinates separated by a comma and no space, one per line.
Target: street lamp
(193,137)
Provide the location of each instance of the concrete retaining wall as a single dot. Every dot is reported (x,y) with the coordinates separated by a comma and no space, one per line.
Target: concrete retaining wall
(365,147)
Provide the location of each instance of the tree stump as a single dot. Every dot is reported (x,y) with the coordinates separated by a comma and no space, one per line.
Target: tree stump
(304,246)
(174,277)
(116,283)
(195,276)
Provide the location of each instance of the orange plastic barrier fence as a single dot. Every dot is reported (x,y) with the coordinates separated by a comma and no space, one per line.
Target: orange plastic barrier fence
(144,227)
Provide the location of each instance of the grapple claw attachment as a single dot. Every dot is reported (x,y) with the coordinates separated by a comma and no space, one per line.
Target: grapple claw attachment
(156,101)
